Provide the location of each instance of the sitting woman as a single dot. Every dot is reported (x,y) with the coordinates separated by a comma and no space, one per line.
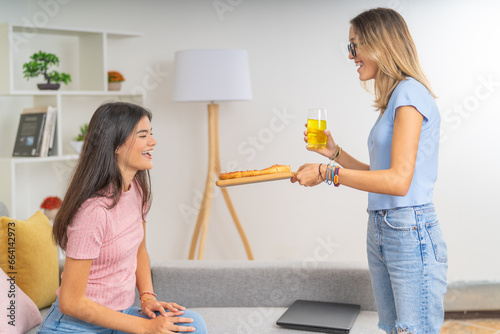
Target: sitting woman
(101,226)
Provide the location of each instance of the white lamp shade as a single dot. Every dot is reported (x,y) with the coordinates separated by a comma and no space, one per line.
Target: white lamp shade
(212,75)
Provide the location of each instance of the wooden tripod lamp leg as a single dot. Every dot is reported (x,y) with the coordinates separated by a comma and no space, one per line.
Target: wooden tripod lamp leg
(213,168)
(229,203)
(239,227)
(204,215)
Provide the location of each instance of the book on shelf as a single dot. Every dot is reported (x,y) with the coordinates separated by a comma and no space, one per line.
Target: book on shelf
(36,134)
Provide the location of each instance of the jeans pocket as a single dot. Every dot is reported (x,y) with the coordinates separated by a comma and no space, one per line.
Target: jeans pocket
(437,240)
(401,226)
(401,223)
(51,320)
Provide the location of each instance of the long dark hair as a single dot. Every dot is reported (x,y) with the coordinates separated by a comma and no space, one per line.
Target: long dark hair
(97,173)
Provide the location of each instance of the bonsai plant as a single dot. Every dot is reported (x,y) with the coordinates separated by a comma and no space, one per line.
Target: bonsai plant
(40,64)
(115,80)
(77,142)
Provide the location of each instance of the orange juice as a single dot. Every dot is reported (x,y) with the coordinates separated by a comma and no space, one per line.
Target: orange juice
(316,137)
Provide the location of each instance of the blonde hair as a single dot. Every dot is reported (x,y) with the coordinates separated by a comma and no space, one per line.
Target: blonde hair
(383,36)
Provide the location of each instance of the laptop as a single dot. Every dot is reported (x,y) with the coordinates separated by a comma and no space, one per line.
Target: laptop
(316,316)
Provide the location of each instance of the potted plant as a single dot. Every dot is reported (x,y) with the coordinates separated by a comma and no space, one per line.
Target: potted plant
(115,80)
(40,64)
(77,142)
(50,206)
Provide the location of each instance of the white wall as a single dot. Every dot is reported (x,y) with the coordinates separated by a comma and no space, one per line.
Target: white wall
(298,59)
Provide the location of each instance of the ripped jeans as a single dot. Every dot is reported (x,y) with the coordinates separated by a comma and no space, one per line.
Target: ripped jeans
(407,257)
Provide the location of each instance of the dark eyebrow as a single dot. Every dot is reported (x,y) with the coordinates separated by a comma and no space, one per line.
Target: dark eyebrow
(146,131)
(353,39)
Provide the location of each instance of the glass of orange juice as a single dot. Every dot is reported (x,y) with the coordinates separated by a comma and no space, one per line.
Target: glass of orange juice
(316,124)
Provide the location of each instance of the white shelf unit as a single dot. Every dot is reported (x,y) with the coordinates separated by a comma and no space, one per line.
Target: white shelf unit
(25,182)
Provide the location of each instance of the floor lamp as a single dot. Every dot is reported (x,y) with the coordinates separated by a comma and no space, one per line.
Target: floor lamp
(212,75)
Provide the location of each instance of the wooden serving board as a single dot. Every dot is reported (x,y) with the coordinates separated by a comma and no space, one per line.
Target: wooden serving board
(254,179)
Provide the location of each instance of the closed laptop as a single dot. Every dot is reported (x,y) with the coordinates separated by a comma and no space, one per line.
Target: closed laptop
(318,316)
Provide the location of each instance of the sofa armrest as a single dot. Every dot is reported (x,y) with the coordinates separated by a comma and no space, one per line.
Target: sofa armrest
(261,283)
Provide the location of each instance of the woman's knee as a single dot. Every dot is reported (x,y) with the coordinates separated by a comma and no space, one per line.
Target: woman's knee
(198,321)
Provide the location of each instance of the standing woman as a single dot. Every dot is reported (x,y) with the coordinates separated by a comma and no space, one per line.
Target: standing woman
(407,255)
(101,226)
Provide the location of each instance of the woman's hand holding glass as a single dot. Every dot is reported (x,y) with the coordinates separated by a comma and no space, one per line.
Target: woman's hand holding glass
(308,175)
(329,150)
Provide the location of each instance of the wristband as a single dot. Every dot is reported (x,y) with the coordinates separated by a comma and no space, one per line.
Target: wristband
(336,156)
(147,293)
(319,173)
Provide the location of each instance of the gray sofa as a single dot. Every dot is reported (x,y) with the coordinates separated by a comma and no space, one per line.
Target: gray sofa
(243,297)
(240,297)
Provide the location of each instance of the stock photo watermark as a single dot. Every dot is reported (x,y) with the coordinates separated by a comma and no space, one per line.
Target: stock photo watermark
(40,19)
(248,150)
(224,6)
(257,143)
(453,117)
(398,5)
(151,81)
(11,273)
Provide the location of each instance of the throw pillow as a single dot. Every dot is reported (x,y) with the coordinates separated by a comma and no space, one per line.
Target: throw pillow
(28,252)
(21,314)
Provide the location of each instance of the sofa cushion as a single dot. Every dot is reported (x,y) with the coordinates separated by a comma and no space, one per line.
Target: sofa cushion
(21,314)
(251,320)
(213,283)
(32,255)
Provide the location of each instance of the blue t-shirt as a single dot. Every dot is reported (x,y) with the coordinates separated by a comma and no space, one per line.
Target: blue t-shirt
(408,92)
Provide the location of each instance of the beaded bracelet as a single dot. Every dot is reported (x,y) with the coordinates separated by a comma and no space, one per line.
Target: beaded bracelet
(147,293)
(336,176)
(143,301)
(329,176)
(326,172)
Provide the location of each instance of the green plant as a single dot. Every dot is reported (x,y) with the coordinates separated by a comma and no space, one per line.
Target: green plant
(83,132)
(40,64)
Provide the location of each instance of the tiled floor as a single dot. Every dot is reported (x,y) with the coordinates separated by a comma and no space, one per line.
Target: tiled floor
(471,326)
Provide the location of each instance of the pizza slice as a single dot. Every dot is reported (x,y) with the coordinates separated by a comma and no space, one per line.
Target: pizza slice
(249,173)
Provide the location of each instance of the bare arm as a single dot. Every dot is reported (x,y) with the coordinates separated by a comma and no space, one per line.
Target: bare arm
(145,284)
(348,161)
(394,181)
(143,271)
(73,302)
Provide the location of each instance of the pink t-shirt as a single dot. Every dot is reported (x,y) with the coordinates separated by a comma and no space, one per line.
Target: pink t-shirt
(111,238)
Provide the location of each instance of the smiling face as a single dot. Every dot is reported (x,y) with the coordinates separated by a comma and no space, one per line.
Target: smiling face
(367,68)
(136,153)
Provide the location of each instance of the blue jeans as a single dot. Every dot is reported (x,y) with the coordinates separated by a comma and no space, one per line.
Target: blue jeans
(56,322)
(407,257)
